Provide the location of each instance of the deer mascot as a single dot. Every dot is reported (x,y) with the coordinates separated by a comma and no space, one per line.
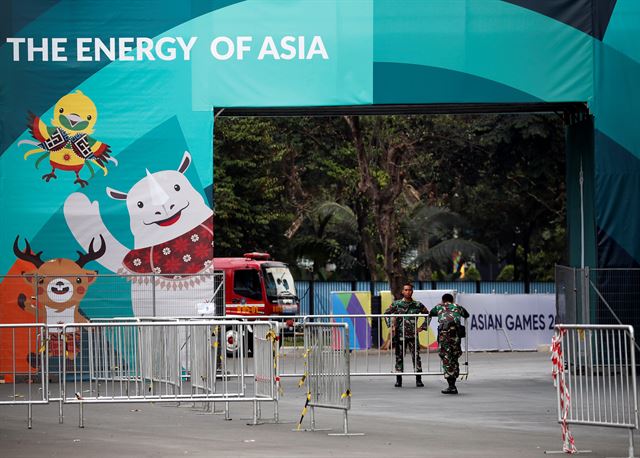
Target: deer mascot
(59,285)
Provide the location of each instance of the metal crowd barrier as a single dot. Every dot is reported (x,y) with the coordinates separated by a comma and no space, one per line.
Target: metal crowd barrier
(28,371)
(596,367)
(371,344)
(204,346)
(374,354)
(177,359)
(328,380)
(266,366)
(138,361)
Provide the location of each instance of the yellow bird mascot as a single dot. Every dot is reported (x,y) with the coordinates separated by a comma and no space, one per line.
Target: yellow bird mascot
(67,144)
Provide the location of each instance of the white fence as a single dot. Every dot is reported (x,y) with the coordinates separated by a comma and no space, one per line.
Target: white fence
(328,380)
(36,338)
(370,342)
(139,361)
(595,371)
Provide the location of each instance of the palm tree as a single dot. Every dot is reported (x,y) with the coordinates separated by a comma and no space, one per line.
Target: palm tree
(329,230)
(432,235)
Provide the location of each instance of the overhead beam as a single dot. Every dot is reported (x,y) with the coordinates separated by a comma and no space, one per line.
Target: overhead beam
(564,108)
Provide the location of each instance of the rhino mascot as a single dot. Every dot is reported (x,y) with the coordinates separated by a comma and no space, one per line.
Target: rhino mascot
(172,228)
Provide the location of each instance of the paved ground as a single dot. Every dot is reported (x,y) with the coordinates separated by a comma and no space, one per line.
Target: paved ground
(505,409)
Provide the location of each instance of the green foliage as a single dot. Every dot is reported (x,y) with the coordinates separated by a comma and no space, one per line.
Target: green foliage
(251,208)
(471,274)
(421,188)
(330,231)
(506,274)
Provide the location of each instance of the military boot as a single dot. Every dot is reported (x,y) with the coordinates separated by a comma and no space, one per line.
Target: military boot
(419,383)
(451,389)
(398,381)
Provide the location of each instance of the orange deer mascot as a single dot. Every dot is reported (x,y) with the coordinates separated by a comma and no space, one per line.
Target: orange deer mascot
(59,285)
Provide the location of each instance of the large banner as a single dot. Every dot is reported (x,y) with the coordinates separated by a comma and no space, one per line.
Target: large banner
(497,321)
(509,321)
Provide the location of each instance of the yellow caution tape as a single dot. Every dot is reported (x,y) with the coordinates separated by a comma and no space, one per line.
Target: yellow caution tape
(581,334)
(346,394)
(302,379)
(304,410)
(271,335)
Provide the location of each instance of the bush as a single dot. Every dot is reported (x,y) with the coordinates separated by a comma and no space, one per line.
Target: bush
(506,274)
(471,274)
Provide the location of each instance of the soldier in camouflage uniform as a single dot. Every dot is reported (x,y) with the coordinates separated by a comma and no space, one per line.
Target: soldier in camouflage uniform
(449,315)
(404,331)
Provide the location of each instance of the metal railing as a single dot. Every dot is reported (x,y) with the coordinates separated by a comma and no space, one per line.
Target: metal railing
(597,376)
(229,359)
(328,380)
(33,338)
(142,361)
(371,344)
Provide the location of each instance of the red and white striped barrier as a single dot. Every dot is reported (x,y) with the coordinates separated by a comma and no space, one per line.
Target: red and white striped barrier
(568,443)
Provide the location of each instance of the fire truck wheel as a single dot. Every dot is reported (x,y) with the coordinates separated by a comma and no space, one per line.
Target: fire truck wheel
(232,343)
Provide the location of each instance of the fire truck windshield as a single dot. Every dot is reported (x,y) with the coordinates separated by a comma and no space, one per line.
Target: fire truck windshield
(279,282)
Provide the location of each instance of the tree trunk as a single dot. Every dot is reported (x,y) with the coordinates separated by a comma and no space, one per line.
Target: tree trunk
(526,246)
(387,157)
(362,210)
(297,194)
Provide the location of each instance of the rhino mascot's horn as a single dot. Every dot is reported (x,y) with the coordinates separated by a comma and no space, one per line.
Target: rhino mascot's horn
(158,195)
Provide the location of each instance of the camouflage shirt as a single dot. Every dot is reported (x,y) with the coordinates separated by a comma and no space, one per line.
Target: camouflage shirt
(449,314)
(402,307)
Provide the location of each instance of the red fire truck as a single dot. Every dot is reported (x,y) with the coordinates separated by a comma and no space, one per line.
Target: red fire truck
(256,285)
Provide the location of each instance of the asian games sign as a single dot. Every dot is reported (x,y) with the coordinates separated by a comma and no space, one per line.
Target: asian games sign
(501,321)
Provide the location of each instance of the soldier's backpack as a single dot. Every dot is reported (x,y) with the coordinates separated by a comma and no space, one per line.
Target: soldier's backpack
(450,316)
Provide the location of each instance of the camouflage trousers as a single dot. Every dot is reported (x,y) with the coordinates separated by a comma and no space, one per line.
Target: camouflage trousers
(449,350)
(400,346)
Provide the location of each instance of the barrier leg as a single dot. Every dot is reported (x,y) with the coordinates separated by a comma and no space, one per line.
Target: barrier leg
(255,413)
(345,431)
(30,416)
(81,415)
(60,412)
(631,443)
(217,412)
